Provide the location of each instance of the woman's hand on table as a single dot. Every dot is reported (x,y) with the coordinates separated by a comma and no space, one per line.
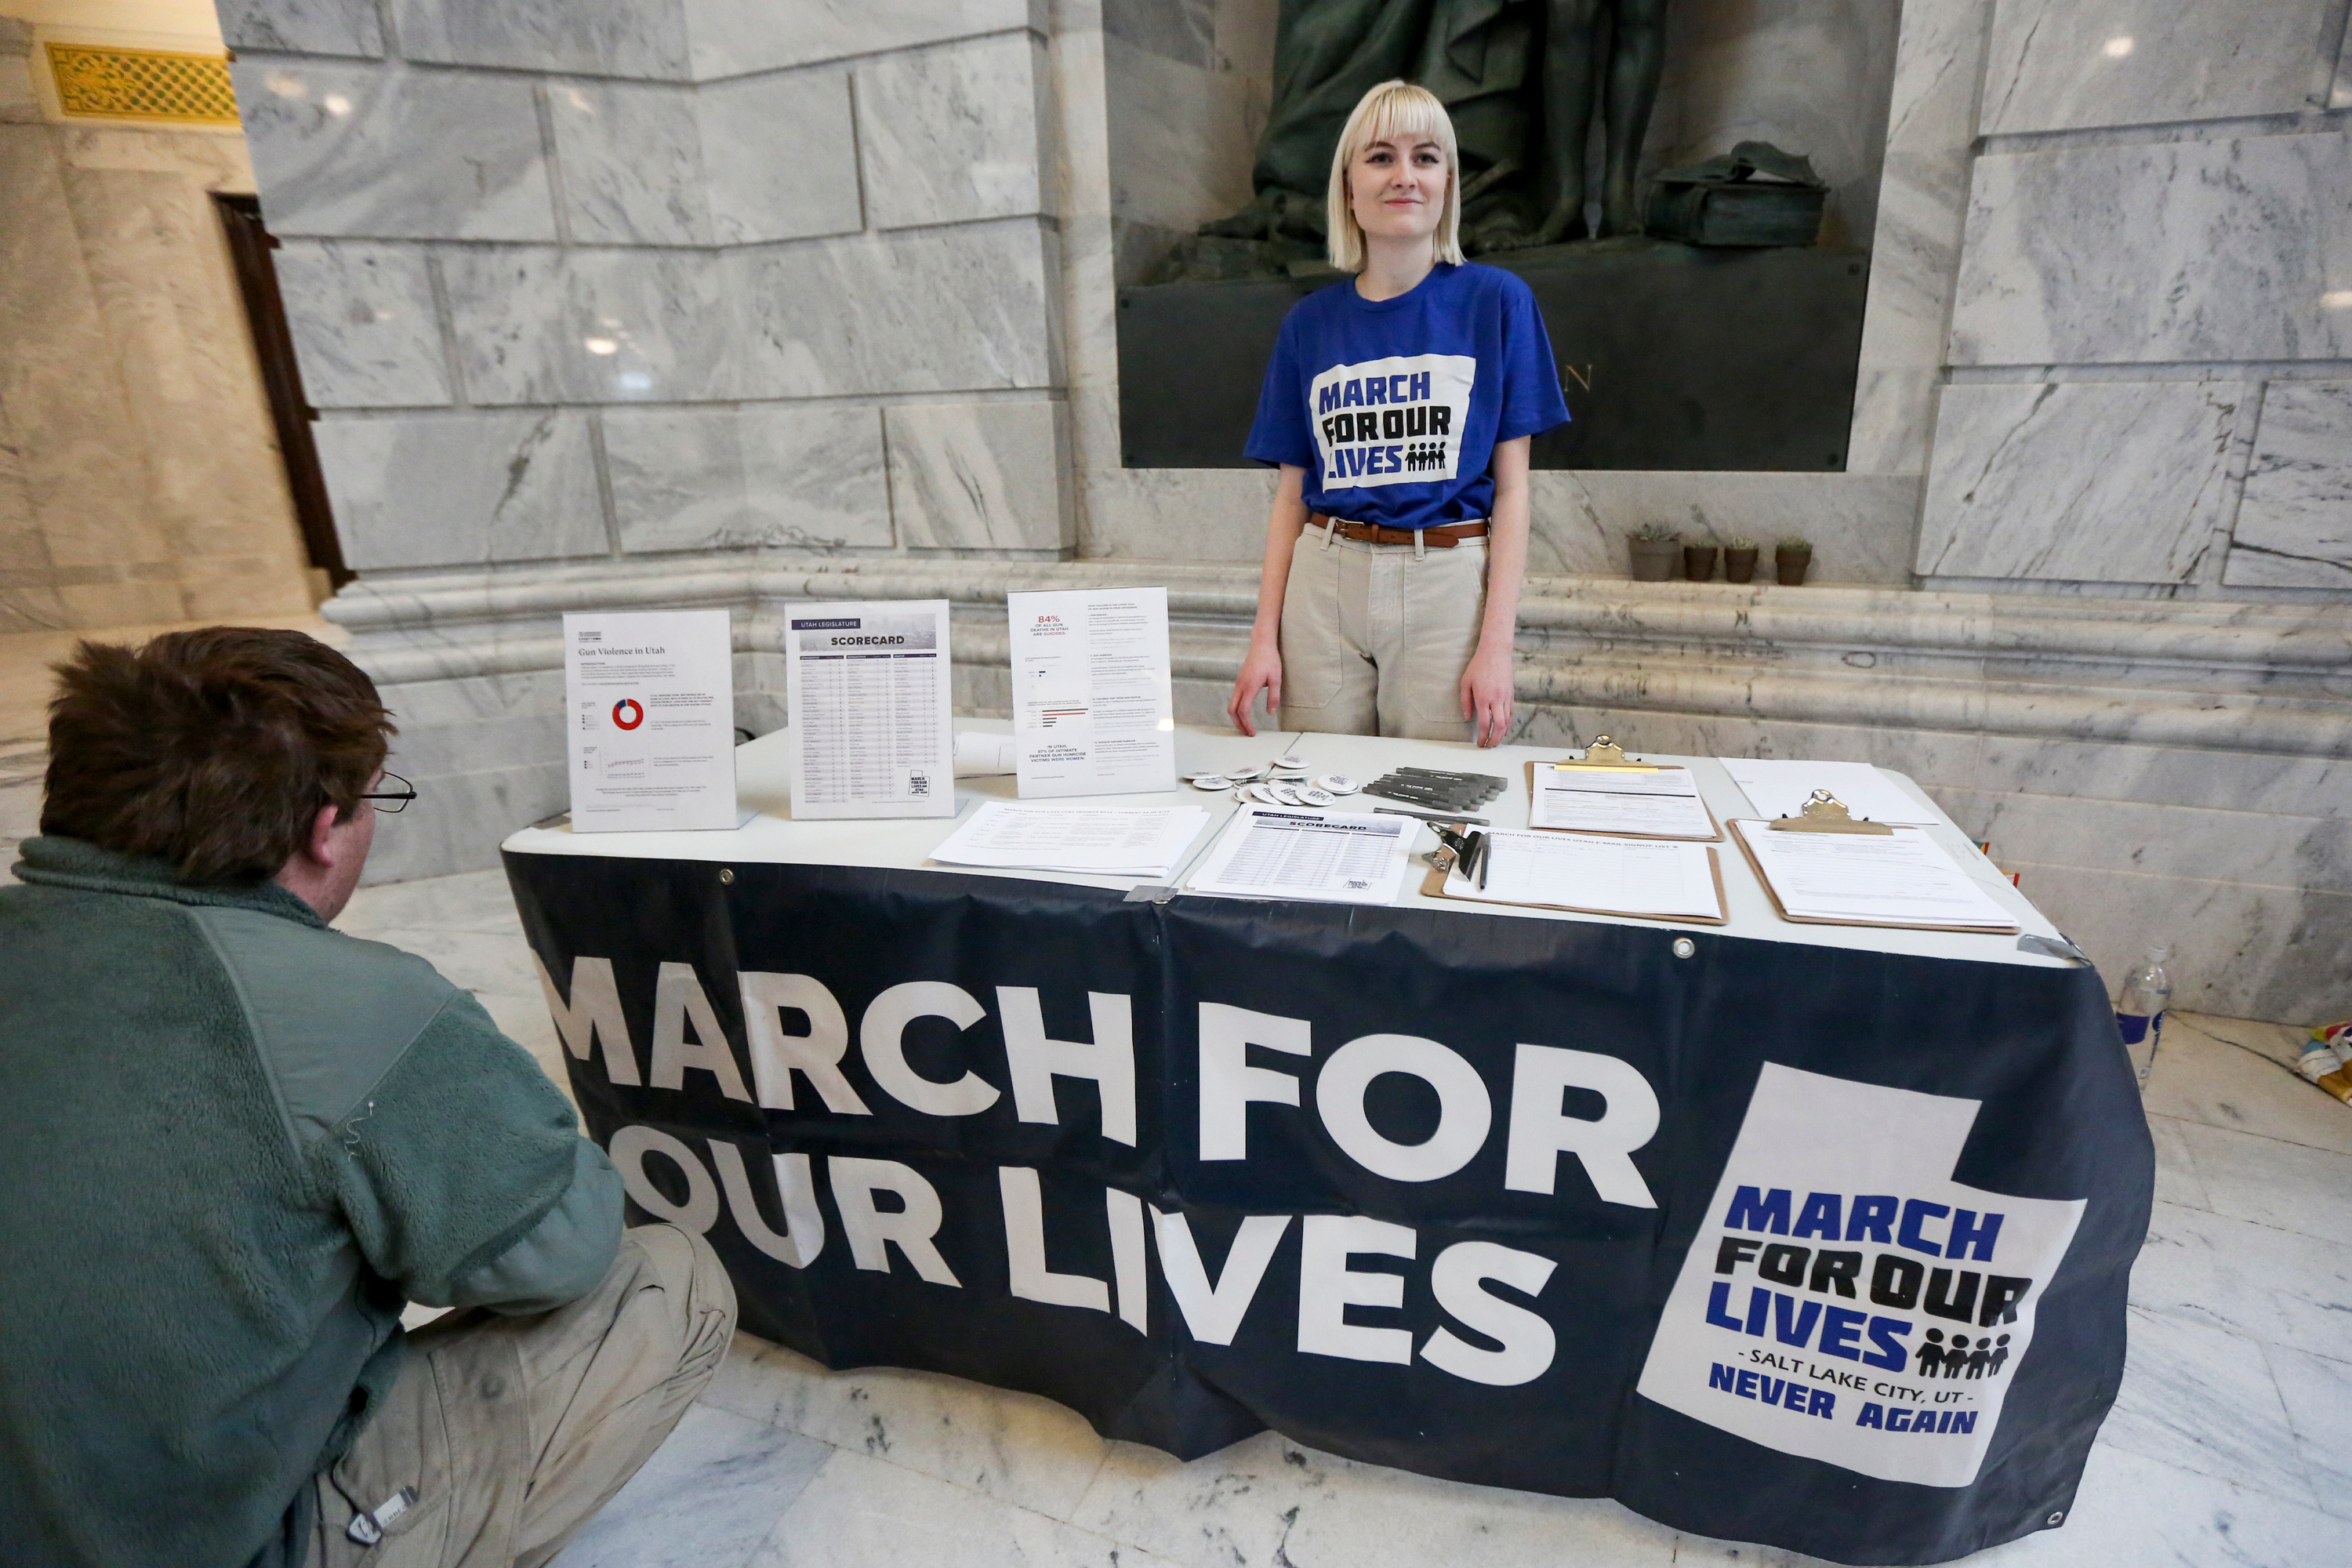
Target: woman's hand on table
(1261,671)
(1489,688)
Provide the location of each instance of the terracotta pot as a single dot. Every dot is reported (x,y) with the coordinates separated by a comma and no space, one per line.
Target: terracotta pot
(1698,562)
(1654,560)
(1791,564)
(1739,565)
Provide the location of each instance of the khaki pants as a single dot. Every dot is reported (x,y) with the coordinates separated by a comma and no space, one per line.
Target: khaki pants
(515,1430)
(1374,640)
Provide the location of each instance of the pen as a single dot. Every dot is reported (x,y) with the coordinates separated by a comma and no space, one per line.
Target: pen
(1486,851)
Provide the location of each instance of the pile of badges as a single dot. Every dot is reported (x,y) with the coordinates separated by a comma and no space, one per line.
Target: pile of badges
(1436,790)
(1281,781)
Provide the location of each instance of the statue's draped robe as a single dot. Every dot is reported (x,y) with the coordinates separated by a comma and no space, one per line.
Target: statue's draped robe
(1481,58)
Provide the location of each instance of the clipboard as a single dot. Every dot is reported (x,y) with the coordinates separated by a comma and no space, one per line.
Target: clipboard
(1781,909)
(1625,832)
(1433,886)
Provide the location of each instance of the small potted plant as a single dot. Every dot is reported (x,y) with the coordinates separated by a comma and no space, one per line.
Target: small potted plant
(1698,562)
(1791,559)
(1739,561)
(1658,549)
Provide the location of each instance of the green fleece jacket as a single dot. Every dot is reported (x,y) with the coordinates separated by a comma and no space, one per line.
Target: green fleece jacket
(232,1141)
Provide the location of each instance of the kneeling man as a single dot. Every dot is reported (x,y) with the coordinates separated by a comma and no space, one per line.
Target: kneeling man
(235,1142)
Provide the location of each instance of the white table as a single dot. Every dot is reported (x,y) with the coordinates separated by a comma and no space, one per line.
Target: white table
(762,771)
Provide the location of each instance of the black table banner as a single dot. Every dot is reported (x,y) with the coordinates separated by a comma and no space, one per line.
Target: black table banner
(1758,1241)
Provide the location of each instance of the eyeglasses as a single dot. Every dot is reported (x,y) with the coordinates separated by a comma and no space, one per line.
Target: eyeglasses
(398,798)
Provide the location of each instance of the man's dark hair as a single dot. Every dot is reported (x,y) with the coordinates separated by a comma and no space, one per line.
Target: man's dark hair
(211,750)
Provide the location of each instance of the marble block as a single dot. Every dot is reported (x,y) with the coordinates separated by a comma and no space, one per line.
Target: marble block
(644,39)
(360,150)
(1269,1500)
(1018,1449)
(631,154)
(735,38)
(2158,252)
(1182,138)
(946,310)
(2295,526)
(814,477)
(363,324)
(2086,482)
(2064,65)
(2317,1392)
(950,135)
(979,476)
(302,26)
(444,490)
(755,195)
(539,325)
(708,1496)
(1184,31)
(790,476)
(2204,1399)
(860,1511)
(1923,200)
(677,477)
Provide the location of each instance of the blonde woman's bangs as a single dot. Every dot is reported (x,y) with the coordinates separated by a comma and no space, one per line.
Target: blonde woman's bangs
(1391,109)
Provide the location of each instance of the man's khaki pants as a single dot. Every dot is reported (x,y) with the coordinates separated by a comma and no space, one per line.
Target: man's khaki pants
(1375,639)
(515,1430)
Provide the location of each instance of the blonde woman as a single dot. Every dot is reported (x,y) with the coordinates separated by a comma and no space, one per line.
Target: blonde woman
(1397,407)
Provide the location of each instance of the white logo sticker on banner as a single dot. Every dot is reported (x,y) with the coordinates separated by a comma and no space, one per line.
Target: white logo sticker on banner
(1846,1300)
(1395,421)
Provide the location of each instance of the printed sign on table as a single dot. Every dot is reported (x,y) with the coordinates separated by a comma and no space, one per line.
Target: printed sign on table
(650,701)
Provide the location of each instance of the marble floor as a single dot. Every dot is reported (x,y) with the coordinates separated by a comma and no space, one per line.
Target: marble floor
(2231,1442)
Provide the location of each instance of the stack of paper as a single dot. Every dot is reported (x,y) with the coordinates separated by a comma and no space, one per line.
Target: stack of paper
(1779,788)
(1904,878)
(1661,805)
(1339,857)
(1142,841)
(1597,876)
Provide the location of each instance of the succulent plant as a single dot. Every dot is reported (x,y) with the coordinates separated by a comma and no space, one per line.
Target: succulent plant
(1655,534)
(1796,541)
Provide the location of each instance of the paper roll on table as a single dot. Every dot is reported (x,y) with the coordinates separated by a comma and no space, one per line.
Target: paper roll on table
(976,754)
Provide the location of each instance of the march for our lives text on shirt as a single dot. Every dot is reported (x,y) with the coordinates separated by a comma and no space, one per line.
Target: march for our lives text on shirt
(1393,407)
(1391,421)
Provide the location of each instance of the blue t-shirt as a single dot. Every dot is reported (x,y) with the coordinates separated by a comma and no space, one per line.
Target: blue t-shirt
(1393,406)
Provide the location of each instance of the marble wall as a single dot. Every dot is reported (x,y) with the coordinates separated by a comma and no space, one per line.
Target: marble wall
(627,279)
(140,479)
(2156,276)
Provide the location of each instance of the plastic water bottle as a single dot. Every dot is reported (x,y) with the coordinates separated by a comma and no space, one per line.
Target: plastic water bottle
(2139,1011)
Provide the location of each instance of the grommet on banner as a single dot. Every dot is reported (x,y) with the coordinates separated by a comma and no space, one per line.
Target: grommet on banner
(2058,1517)
(1685,947)
(726,876)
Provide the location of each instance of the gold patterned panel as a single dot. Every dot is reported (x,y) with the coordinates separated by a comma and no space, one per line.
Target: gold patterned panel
(142,84)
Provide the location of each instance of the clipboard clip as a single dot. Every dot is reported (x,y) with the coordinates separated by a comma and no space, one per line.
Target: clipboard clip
(1825,812)
(1604,752)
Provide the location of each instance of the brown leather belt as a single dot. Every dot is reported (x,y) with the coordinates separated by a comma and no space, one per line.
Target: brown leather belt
(1444,537)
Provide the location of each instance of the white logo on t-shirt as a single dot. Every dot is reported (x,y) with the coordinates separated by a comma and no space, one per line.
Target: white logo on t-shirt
(1395,421)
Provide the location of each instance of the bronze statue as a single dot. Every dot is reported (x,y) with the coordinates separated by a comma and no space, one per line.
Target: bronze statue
(1520,78)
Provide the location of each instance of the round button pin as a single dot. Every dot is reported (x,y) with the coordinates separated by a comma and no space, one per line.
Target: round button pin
(1313,797)
(1338,784)
(1210,781)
